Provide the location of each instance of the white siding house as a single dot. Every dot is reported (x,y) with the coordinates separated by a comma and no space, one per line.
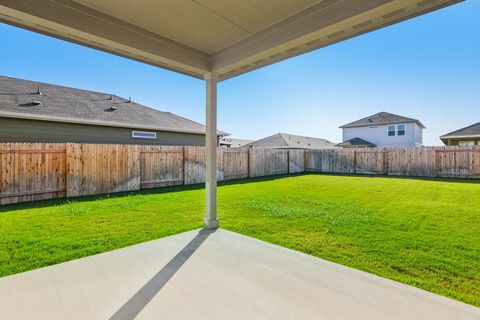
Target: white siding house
(384,130)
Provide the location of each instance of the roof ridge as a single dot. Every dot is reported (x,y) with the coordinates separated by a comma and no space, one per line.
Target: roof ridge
(283,137)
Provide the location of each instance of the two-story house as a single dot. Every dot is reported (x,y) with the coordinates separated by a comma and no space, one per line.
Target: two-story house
(383,130)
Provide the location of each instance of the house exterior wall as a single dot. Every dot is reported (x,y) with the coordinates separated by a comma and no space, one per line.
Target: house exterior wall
(21,130)
(456,142)
(378,134)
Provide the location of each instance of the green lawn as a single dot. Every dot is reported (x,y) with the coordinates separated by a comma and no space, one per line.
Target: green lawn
(424,233)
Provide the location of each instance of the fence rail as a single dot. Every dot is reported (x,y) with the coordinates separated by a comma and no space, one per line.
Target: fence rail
(38,171)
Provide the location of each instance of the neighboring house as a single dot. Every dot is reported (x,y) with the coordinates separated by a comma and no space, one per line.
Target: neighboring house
(39,112)
(468,136)
(383,130)
(290,141)
(356,143)
(233,143)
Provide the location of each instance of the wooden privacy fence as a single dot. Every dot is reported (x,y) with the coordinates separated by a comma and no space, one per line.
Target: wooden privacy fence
(38,171)
(444,162)
(34,171)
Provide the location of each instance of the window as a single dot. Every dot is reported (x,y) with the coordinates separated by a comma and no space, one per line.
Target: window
(466,143)
(391,131)
(401,130)
(144,135)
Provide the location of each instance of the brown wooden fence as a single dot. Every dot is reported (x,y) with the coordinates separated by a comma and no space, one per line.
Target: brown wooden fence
(445,162)
(32,171)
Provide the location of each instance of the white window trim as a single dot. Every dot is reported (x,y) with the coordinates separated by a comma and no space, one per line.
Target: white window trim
(144,137)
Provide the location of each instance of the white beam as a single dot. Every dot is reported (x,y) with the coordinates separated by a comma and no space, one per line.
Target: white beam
(211,220)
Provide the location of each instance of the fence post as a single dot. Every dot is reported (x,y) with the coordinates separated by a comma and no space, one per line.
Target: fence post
(385,161)
(288,161)
(250,162)
(305,160)
(437,162)
(354,161)
(184,172)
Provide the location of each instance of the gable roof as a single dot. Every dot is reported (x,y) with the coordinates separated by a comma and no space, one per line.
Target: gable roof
(284,140)
(382,118)
(63,104)
(356,142)
(472,130)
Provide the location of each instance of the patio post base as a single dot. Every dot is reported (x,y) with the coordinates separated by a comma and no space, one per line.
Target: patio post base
(210,224)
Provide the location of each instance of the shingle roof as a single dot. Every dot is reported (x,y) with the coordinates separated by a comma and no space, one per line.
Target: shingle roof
(284,140)
(65,104)
(472,130)
(381,118)
(235,143)
(356,142)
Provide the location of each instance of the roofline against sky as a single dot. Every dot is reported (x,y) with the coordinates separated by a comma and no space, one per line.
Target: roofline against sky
(383,124)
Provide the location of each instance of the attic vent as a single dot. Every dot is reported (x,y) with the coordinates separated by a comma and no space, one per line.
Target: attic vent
(38,91)
(393,14)
(370,120)
(113,108)
(363,25)
(425,3)
(314,43)
(34,103)
(129,99)
(336,34)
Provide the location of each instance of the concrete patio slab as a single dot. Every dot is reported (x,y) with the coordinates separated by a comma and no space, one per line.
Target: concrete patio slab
(177,278)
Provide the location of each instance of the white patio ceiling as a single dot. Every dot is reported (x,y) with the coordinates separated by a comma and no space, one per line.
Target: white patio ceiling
(196,37)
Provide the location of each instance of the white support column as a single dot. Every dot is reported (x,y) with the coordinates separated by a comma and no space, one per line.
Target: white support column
(211,220)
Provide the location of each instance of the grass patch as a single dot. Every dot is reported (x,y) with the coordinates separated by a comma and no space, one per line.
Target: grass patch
(424,233)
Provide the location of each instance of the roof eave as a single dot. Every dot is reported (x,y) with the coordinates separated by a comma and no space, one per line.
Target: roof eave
(470,136)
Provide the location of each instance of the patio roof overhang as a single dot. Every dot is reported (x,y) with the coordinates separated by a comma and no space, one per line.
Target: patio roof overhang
(210,39)
(197,37)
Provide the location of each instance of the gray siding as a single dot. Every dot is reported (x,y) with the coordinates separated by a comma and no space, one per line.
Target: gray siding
(21,130)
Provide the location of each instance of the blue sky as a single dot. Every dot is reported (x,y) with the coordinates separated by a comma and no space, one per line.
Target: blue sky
(426,68)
